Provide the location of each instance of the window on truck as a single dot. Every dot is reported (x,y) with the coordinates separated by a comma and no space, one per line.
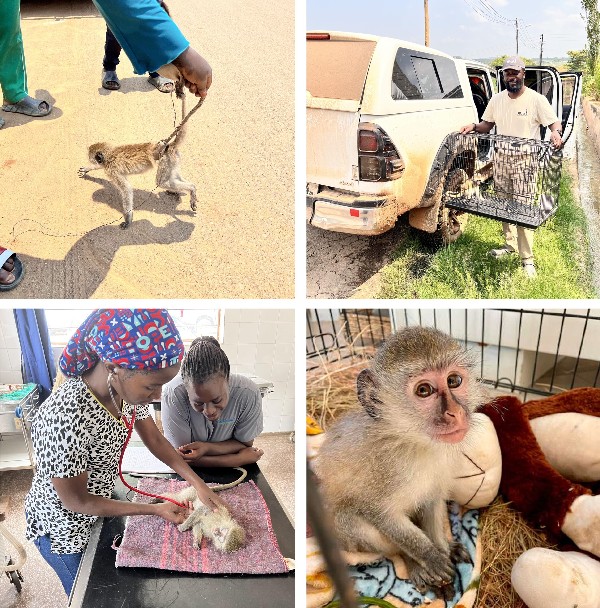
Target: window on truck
(423,76)
(337,69)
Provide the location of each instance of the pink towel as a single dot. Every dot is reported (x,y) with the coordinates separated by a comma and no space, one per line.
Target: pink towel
(151,542)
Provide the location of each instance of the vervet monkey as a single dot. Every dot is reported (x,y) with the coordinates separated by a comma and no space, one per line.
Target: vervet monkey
(386,469)
(120,161)
(218,526)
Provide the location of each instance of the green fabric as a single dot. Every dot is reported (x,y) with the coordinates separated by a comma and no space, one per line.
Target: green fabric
(20,393)
(13,76)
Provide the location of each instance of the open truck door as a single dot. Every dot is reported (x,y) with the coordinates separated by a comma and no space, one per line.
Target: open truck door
(561,89)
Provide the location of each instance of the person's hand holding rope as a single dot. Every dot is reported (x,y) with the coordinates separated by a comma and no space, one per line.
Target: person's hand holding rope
(195,70)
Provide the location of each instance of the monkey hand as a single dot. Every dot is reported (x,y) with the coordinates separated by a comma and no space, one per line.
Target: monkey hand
(437,573)
(82,171)
(250,455)
(173,513)
(195,70)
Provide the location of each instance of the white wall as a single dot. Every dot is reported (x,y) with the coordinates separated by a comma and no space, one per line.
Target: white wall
(10,351)
(261,342)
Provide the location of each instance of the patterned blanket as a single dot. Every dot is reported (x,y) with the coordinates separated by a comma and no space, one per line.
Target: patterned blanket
(144,534)
(386,577)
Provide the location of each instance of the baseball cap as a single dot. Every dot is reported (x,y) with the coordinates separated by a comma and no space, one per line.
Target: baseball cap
(513,63)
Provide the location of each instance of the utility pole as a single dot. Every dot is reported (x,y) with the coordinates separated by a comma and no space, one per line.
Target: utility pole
(541,48)
(517,26)
(426,22)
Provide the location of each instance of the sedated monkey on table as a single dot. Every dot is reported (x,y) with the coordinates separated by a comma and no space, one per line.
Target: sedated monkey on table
(386,469)
(218,526)
(120,161)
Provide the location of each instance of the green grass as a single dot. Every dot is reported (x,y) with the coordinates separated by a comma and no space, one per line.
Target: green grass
(465,270)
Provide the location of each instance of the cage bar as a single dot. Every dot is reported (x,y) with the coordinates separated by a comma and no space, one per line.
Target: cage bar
(511,179)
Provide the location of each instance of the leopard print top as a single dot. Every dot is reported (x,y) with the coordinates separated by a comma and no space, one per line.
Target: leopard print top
(73,433)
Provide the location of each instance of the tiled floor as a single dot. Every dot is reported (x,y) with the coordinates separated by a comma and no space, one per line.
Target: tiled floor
(42,588)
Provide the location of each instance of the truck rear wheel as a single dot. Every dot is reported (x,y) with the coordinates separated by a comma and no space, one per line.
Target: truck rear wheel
(448,230)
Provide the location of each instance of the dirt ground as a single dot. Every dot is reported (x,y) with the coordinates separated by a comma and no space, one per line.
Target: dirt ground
(239,152)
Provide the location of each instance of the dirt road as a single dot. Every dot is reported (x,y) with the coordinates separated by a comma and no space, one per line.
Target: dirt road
(345,265)
(239,151)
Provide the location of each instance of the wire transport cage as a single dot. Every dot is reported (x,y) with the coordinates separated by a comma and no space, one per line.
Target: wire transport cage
(504,178)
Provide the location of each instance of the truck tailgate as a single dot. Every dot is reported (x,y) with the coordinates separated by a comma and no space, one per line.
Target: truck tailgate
(331,150)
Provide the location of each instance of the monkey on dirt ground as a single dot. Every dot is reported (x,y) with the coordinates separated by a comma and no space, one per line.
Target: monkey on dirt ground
(218,526)
(386,469)
(120,161)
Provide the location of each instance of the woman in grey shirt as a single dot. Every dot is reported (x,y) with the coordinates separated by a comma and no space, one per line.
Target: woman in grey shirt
(211,416)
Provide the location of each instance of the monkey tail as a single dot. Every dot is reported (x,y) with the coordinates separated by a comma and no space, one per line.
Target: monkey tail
(238,481)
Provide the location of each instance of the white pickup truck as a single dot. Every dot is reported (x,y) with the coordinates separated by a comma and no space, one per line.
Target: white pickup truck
(378,110)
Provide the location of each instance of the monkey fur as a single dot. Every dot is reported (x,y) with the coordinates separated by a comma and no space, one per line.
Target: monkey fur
(218,526)
(120,161)
(386,469)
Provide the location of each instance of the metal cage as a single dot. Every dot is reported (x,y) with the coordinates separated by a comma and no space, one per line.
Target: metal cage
(504,178)
(528,352)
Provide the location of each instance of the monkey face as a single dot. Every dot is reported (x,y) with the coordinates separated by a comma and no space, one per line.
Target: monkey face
(97,153)
(229,538)
(441,397)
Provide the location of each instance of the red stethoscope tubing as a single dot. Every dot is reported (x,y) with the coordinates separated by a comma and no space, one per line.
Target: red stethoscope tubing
(129,427)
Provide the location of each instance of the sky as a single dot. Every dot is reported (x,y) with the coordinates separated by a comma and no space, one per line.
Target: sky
(466,28)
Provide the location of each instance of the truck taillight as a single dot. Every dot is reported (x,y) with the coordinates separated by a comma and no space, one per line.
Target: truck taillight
(378,159)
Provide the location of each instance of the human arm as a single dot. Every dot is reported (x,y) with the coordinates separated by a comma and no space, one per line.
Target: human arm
(229,453)
(74,495)
(478,127)
(556,134)
(164,451)
(151,39)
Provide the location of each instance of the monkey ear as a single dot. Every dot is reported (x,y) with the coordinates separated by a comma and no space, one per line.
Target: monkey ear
(367,393)
(99,157)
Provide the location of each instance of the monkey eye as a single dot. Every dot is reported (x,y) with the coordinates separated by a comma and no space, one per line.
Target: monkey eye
(424,389)
(454,380)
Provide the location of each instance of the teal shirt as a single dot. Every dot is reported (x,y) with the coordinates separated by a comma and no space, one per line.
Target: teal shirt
(147,34)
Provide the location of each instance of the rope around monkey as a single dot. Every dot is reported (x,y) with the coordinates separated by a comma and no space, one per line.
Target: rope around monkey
(164,143)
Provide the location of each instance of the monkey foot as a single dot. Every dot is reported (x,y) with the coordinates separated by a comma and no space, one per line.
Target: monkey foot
(459,554)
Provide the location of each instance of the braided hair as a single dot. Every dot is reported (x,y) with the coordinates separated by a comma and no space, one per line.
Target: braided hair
(204,359)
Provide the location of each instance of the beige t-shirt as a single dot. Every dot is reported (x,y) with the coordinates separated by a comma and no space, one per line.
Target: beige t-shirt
(520,117)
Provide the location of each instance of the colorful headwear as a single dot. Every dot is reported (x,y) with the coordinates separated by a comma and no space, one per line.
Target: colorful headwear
(133,339)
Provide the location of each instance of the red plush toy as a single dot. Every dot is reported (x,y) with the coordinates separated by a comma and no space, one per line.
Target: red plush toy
(547,446)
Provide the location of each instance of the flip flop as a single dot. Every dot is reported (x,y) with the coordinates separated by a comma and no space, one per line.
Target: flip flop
(110,80)
(29,106)
(164,85)
(16,272)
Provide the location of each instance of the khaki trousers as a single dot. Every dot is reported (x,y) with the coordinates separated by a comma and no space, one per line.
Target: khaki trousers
(515,177)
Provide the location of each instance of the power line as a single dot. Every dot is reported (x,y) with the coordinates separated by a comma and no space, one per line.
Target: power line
(495,12)
(487,17)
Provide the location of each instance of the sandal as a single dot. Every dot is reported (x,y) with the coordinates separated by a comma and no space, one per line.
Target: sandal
(11,270)
(110,80)
(29,106)
(502,251)
(164,85)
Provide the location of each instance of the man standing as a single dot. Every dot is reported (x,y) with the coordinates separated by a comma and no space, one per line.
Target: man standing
(518,111)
